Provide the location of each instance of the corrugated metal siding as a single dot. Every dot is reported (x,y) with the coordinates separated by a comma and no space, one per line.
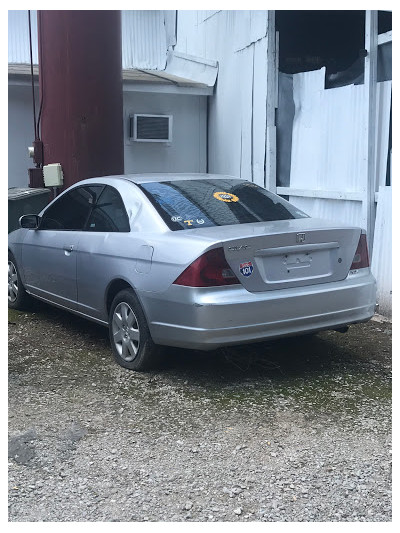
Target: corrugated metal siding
(343,210)
(192,68)
(237,112)
(382,255)
(328,147)
(18,37)
(329,140)
(209,33)
(206,14)
(250,26)
(144,40)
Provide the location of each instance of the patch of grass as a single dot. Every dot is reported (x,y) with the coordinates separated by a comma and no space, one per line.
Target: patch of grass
(14,315)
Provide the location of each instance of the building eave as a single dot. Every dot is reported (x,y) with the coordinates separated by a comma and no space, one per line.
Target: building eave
(133,80)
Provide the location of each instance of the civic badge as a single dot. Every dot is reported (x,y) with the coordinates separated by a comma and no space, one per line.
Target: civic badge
(300,237)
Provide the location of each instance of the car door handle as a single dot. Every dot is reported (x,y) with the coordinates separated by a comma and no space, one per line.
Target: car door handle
(68,248)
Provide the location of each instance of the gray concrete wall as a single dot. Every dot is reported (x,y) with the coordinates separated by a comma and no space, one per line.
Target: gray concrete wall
(20,134)
(186,152)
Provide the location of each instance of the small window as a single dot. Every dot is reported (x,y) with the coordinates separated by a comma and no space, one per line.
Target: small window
(109,213)
(150,128)
(71,210)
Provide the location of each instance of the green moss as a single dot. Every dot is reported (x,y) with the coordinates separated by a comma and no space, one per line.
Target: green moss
(14,316)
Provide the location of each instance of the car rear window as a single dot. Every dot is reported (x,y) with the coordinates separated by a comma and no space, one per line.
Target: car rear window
(188,204)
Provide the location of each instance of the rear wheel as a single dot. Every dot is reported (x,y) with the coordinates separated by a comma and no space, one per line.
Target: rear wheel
(130,337)
(17,296)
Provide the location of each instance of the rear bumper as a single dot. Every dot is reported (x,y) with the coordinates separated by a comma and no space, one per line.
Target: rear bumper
(208,318)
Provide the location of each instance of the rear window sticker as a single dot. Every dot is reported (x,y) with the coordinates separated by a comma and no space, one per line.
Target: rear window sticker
(188,222)
(176,219)
(246,268)
(200,220)
(226,197)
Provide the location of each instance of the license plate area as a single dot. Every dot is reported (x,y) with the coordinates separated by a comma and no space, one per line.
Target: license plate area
(298,260)
(287,266)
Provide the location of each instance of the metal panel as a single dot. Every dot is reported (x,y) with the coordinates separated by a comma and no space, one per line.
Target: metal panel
(199,70)
(370,88)
(250,26)
(18,37)
(144,40)
(336,210)
(329,140)
(170,26)
(206,14)
(219,33)
(259,110)
(237,112)
(382,253)
(284,125)
(245,109)
(272,60)
(328,123)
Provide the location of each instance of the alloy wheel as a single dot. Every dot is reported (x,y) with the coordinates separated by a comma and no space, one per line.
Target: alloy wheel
(125,331)
(12,282)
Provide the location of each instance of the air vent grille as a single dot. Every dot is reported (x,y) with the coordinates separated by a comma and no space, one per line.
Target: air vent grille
(151,128)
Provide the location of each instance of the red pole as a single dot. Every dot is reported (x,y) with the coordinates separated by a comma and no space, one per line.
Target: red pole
(80,80)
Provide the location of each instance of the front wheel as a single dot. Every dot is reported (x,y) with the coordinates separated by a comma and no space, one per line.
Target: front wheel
(17,296)
(130,337)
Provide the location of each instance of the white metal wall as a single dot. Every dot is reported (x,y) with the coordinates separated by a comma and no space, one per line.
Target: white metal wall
(18,37)
(237,111)
(144,39)
(382,255)
(328,146)
(328,175)
(146,36)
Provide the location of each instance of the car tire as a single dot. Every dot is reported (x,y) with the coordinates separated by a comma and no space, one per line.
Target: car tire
(18,298)
(130,338)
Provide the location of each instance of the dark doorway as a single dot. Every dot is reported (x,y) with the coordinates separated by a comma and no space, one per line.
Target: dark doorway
(309,40)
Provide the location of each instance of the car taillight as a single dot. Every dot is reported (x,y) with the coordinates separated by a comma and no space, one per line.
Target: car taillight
(361,259)
(209,270)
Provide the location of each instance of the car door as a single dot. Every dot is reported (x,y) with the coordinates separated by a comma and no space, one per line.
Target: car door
(49,253)
(101,251)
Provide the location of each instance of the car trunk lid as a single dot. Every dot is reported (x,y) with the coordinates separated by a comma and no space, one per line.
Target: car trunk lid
(292,258)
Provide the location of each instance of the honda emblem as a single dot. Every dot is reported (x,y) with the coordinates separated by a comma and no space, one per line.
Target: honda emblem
(300,237)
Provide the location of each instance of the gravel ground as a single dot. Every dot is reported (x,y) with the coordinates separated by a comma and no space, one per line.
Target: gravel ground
(298,430)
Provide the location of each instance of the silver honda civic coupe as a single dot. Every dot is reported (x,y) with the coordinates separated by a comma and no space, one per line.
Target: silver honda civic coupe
(189,260)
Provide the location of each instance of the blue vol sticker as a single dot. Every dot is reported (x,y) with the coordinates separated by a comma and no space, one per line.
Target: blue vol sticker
(246,268)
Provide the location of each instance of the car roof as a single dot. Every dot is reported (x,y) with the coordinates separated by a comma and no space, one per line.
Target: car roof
(164,176)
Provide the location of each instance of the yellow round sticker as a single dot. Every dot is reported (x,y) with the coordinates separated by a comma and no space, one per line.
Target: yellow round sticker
(226,197)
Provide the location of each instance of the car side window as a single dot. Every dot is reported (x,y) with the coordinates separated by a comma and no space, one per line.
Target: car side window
(71,210)
(109,213)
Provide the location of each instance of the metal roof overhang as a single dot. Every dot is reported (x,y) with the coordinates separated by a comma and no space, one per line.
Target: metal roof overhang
(161,81)
(138,80)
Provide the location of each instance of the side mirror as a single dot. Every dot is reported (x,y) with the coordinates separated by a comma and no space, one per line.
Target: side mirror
(29,221)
